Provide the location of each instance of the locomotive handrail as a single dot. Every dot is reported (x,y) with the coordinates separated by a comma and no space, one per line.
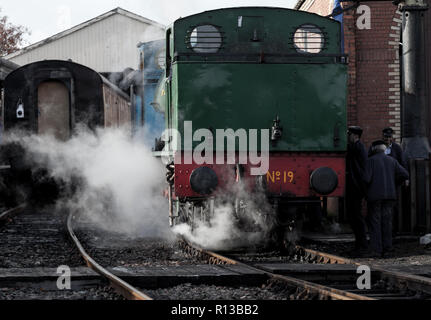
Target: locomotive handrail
(299,55)
(257,57)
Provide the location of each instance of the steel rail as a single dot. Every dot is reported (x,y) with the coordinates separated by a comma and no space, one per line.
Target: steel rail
(323,257)
(12,212)
(125,289)
(402,279)
(320,290)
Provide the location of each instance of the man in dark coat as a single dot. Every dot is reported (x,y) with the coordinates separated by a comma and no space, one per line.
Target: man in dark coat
(382,175)
(394,149)
(355,187)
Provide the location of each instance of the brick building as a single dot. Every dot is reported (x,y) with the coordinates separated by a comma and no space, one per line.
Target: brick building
(375,88)
(374,64)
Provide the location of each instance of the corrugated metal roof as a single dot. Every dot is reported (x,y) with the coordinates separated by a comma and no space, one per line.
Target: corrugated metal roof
(6,67)
(84,25)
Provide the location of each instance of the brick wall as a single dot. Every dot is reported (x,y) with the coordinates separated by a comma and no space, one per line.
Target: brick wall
(374,66)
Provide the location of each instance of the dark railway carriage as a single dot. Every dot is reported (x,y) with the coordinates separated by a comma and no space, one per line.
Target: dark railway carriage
(259,68)
(55,96)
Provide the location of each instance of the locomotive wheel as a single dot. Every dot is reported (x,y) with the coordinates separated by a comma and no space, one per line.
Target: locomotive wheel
(194,214)
(287,228)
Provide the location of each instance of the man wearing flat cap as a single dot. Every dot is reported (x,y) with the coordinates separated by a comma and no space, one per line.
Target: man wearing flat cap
(382,175)
(393,149)
(355,188)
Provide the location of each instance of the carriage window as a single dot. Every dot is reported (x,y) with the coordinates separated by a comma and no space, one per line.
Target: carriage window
(308,39)
(206,39)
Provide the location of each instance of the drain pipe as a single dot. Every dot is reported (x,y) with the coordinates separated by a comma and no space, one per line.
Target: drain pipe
(415,110)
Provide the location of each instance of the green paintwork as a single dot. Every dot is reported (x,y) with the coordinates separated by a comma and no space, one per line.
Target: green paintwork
(309,99)
(278,27)
(307,92)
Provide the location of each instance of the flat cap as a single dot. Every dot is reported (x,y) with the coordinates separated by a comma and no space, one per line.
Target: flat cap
(388,132)
(355,130)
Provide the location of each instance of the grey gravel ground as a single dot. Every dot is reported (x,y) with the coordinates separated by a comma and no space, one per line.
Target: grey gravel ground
(100,293)
(406,252)
(37,239)
(262,257)
(117,249)
(270,291)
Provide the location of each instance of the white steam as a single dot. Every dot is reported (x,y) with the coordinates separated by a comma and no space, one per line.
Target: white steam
(121,183)
(229,228)
(218,234)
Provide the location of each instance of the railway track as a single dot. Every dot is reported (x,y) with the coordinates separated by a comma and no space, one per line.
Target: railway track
(160,268)
(194,276)
(41,233)
(305,290)
(7,215)
(34,247)
(124,288)
(385,284)
(400,285)
(206,276)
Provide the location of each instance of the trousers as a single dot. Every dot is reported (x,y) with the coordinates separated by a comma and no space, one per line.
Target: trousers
(356,219)
(379,221)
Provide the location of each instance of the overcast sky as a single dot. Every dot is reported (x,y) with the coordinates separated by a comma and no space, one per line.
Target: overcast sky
(45,18)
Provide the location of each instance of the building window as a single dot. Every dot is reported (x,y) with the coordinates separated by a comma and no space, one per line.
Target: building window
(205,39)
(308,38)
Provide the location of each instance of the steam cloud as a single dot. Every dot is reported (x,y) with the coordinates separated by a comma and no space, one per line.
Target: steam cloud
(121,182)
(226,230)
(121,187)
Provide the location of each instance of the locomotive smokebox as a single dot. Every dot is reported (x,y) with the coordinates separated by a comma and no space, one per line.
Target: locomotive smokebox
(203,180)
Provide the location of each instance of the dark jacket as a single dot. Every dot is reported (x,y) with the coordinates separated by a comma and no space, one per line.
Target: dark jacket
(382,175)
(355,166)
(397,153)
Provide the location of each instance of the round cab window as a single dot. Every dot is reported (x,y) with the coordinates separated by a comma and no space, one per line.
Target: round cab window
(206,39)
(308,39)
